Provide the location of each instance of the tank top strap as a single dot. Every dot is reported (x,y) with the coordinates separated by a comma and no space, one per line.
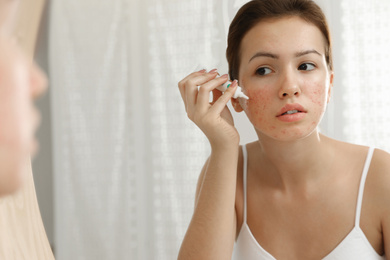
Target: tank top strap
(244,178)
(361,187)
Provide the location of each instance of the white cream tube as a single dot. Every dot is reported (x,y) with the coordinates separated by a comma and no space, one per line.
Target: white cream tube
(237,94)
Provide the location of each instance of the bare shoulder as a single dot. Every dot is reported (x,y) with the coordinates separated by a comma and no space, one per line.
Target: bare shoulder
(380,168)
(377,188)
(381,159)
(378,183)
(380,176)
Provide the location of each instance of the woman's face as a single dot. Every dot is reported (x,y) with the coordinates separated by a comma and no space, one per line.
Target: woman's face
(284,73)
(20,82)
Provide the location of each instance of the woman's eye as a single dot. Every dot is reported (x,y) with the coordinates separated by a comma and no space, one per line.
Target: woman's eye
(263,71)
(307,66)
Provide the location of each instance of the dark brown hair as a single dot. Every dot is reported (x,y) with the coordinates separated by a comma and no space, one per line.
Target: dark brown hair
(255,11)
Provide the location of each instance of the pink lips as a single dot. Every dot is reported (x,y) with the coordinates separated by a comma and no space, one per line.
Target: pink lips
(291,117)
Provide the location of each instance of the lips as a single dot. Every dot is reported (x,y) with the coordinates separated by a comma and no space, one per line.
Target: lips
(291,109)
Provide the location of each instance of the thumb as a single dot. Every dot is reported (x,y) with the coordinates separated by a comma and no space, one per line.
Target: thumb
(222,101)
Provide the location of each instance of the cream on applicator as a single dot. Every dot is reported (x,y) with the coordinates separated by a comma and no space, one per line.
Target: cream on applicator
(237,94)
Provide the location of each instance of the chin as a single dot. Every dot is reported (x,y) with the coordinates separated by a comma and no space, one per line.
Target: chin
(11,177)
(10,186)
(289,135)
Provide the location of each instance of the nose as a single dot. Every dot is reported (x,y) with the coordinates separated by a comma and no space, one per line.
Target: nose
(38,81)
(289,86)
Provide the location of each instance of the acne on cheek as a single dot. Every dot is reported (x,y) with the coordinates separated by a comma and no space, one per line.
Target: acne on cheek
(317,95)
(258,98)
(256,105)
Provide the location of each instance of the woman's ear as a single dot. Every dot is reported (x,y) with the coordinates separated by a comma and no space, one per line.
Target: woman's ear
(236,105)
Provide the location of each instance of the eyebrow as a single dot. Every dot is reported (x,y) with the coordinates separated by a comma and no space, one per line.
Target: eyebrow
(264,54)
(303,53)
(275,56)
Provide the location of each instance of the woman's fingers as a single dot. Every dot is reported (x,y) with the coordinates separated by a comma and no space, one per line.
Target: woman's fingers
(182,83)
(190,83)
(222,101)
(204,91)
(190,87)
(192,91)
(195,91)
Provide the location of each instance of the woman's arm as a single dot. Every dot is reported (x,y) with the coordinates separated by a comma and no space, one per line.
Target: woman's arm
(212,229)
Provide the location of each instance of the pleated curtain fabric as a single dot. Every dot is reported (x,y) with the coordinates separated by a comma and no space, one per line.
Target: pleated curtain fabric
(366,53)
(126,157)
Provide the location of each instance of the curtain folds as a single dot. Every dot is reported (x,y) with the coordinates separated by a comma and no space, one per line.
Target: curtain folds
(126,156)
(94,152)
(366,27)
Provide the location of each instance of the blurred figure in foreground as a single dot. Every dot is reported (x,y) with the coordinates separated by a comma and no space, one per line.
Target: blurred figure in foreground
(20,82)
(22,234)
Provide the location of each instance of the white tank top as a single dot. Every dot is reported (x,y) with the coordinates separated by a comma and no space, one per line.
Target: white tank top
(354,246)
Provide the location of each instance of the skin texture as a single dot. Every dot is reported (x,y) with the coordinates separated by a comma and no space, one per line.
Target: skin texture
(20,83)
(302,185)
(8,10)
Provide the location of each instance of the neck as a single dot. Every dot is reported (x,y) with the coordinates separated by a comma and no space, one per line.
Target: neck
(295,164)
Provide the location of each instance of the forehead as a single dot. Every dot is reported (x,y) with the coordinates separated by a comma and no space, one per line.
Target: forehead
(282,36)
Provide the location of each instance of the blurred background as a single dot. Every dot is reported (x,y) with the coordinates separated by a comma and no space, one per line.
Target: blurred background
(119,160)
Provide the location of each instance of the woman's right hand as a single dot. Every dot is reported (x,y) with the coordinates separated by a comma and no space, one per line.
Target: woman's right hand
(214,119)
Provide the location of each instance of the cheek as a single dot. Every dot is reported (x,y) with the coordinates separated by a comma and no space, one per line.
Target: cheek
(260,100)
(317,94)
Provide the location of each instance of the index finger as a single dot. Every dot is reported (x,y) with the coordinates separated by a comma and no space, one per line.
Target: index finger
(181,82)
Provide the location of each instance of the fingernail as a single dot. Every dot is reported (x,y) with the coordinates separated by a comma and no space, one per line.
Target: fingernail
(202,71)
(234,83)
(213,71)
(224,76)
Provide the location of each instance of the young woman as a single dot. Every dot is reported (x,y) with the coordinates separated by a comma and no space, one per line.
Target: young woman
(294,193)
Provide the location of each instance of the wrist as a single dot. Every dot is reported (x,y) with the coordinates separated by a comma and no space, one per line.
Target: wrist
(225,147)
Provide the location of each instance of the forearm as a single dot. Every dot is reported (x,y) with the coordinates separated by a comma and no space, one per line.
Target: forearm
(211,232)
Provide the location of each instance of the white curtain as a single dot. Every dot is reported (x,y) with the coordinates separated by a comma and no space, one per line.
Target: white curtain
(95,156)
(366,71)
(126,156)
